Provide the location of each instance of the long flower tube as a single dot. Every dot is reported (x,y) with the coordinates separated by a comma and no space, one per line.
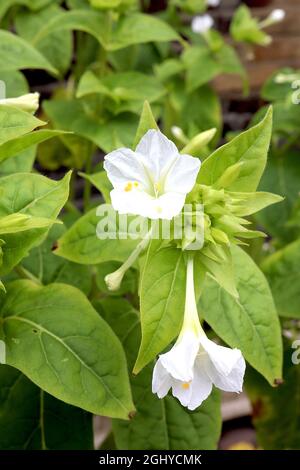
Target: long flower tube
(195,363)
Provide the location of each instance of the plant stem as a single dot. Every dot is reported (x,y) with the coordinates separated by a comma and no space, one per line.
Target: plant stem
(23,273)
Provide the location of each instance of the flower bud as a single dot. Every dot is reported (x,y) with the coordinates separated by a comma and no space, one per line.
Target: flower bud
(28,102)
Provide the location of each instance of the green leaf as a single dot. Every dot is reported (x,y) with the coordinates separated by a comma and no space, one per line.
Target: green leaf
(55,337)
(147,122)
(282,271)
(15,83)
(140,28)
(20,163)
(137,28)
(19,144)
(32,4)
(126,90)
(57,47)
(76,116)
(162,301)
(31,194)
(249,323)
(276,416)
(278,87)
(244,27)
(249,148)
(14,123)
(16,54)
(82,245)
(48,268)
(283,173)
(101,182)
(30,419)
(175,427)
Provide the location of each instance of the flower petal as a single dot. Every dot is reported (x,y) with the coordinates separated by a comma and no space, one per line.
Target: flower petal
(183,174)
(182,391)
(201,386)
(226,366)
(179,361)
(141,203)
(124,166)
(161,380)
(158,150)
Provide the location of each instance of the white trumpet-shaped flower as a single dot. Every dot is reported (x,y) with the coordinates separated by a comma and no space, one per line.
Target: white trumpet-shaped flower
(28,102)
(153,180)
(195,363)
(201,24)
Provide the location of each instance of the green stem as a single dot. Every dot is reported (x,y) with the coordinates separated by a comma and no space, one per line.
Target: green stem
(87,184)
(23,273)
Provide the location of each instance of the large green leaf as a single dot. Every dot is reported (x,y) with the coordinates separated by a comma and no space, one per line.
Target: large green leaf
(57,47)
(14,123)
(31,194)
(15,83)
(157,424)
(249,322)
(203,65)
(16,54)
(127,91)
(82,245)
(78,117)
(55,337)
(162,300)
(30,419)
(32,4)
(20,163)
(139,28)
(136,28)
(283,274)
(282,174)
(19,144)
(276,415)
(49,268)
(249,148)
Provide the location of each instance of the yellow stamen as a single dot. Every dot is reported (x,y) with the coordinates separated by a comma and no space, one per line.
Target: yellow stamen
(136,184)
(159,210)
(128,187)
(185,385)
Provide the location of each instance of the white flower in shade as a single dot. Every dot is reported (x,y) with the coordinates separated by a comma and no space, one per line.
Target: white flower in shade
(195,363)
(28,102)
(153,180)
(213,3)
(201,24)
(277,15)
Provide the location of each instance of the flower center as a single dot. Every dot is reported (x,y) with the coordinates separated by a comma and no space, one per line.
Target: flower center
(186,385)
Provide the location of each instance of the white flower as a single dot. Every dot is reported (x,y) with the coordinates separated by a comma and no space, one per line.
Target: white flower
(213,3)
(277,15)
(154,180)
(201,24)
(195,363)
(28,102)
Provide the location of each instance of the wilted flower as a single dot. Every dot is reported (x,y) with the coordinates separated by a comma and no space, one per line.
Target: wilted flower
(195,363)
(153,180)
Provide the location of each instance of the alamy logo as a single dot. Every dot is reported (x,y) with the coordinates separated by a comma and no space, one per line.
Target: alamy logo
(188,226)
(296,354)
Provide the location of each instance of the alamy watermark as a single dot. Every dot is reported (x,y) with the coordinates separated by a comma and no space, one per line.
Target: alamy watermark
(187,227)
(2,352)
(296,353)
